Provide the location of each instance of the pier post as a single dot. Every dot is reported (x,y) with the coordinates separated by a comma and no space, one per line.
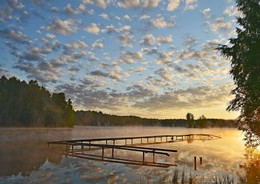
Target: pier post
(112,152)
(195,164)
(82,147)
(200,160)
(102,153)
(143,157)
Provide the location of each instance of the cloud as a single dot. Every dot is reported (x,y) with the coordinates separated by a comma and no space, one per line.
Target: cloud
(15,4)
(43,72)
(160,22)
(149,51)
(195,97)
(6,13)
(165,58)
(129,4)
(12,7)
(206,13)
(99,73)
(232,11)
(138,4)
(148,40)
(164,39)
(35,54)
(219,24)
(191,4)
(126,17)
(92,57)
(165,73)
(188,54)
(76,45)
(64,27)
(15,36)
(143,17)
(69,10)
(3,72)
(50,35)
(190,41)
(81,8)
(102,3)
(173,5)
(88,95)
(115,74)
(98,44)
(104,16)
(109,29)
(87,2)
(92,28)
(150,3)
(127,37)
(138,91)
(130,57)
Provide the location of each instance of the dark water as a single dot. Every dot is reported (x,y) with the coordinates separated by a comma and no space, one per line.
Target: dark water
(26,158)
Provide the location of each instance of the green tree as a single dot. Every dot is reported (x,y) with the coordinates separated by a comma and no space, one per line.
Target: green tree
(28,104)
(244,54)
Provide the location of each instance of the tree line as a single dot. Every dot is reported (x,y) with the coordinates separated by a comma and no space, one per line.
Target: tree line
(29,104)
(94,118)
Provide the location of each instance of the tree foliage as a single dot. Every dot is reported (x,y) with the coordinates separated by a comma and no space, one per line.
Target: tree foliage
(244,54)
(28,104)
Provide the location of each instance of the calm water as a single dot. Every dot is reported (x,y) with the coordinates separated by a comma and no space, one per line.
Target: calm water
(26,158)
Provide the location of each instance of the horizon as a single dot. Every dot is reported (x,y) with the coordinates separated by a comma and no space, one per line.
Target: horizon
(150,58)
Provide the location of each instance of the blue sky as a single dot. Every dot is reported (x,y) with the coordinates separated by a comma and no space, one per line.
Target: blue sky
(150,58)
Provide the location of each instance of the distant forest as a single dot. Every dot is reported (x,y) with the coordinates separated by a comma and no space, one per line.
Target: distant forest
(25,104)
(93,118)
(28,104)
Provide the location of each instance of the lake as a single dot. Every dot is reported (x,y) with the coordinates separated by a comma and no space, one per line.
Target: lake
(26,158)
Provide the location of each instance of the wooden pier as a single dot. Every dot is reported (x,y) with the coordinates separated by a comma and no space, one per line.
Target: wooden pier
(103,149)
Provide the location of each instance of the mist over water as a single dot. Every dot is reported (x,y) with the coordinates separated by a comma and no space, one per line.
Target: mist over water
(26,158)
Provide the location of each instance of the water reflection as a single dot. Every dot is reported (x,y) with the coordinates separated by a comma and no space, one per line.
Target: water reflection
(25,157)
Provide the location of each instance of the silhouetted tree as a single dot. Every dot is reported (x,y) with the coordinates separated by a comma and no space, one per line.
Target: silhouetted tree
(189,116)
(244,54)
(202,117)
(190,119)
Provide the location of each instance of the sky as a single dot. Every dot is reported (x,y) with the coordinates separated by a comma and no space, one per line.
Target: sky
(148,58)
